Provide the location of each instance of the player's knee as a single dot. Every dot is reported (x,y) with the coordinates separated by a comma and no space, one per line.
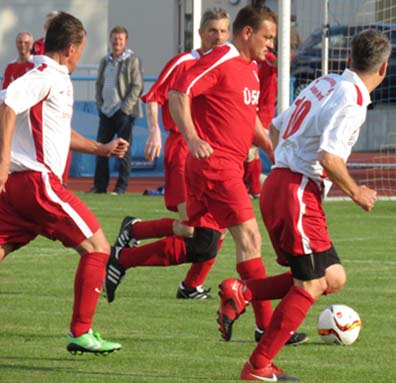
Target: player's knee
(95,244)
(203,245)
(335,278)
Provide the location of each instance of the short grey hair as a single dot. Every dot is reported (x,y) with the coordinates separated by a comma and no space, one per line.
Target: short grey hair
(370,49)
(213,14)
(24,33)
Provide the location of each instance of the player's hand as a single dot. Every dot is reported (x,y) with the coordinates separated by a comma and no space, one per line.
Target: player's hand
(3,177)
(200,149)
(365,197)
(115,148)
(152,148)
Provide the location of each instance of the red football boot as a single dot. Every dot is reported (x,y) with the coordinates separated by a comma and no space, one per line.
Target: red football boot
(269,373)
(232,304)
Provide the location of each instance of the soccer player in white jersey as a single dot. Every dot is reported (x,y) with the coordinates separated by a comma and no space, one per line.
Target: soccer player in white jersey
(313,139)
(35,138)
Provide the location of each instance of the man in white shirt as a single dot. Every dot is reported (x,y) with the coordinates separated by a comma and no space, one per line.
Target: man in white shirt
(35,138)
(312,140)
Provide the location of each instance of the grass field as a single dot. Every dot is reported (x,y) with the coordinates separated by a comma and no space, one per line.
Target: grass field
(168,340)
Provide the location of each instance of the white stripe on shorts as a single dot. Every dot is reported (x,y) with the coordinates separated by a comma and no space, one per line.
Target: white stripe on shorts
(300,192)
(66,207)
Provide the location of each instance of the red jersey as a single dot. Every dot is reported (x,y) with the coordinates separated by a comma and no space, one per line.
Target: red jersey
(224,89)
(268,89)
(38,47)
(14,70)
(169,74)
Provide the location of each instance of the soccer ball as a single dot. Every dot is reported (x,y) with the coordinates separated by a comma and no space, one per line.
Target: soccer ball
(339,324)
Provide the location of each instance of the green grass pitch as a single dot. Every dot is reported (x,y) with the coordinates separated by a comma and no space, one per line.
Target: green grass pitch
(168,340)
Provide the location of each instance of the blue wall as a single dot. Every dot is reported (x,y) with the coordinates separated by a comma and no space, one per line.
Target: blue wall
(86,121)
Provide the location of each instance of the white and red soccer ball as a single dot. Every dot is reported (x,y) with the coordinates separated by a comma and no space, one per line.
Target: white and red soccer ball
(339,324)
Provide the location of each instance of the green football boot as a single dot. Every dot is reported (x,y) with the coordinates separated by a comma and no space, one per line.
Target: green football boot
(91,342)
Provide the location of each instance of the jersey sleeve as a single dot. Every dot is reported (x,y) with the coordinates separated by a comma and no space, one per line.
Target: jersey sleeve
(154,94)
(267,100)
(27,91)
(268,90)
(7,77)
(278,121)
(341,129)
(169,74)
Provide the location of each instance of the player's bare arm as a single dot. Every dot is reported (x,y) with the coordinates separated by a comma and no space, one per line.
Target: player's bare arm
(115,148)
(338,173)
(179,105)
(152,148)
(274,136)
(7,125)
(262,139)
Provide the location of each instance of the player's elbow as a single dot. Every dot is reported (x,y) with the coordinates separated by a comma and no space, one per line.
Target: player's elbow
(327,160)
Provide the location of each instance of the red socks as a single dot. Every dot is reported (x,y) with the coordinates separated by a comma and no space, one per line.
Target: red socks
(87,288)
(270,288)
(197,273)
(164,252)
(157,228)
(254,269)
(287,317)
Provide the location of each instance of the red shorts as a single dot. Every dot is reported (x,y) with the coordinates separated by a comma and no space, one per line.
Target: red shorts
(291,208)
(216,198)
(175,154)
(36,203)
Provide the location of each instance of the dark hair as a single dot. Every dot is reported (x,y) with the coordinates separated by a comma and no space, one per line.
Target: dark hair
(370,49)
(63,30)
(119,29)
(252,16)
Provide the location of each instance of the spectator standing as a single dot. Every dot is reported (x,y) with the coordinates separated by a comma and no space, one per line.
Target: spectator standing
(35,138)
(23,63)
(119,86)
(312,139)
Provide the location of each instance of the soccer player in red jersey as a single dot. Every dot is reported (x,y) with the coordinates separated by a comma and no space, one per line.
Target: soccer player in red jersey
(35,138)
(214,30)
(219,128)
(39,45)
(23,63)
(313,140)
(266,111)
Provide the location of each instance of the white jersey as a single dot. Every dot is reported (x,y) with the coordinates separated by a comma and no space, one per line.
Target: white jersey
(326,116)
(43,102)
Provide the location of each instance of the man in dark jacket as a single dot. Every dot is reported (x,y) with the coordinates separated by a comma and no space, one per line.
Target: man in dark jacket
(119,86)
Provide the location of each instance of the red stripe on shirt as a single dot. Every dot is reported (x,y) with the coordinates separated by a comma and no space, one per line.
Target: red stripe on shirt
(359,100)
(36,121)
